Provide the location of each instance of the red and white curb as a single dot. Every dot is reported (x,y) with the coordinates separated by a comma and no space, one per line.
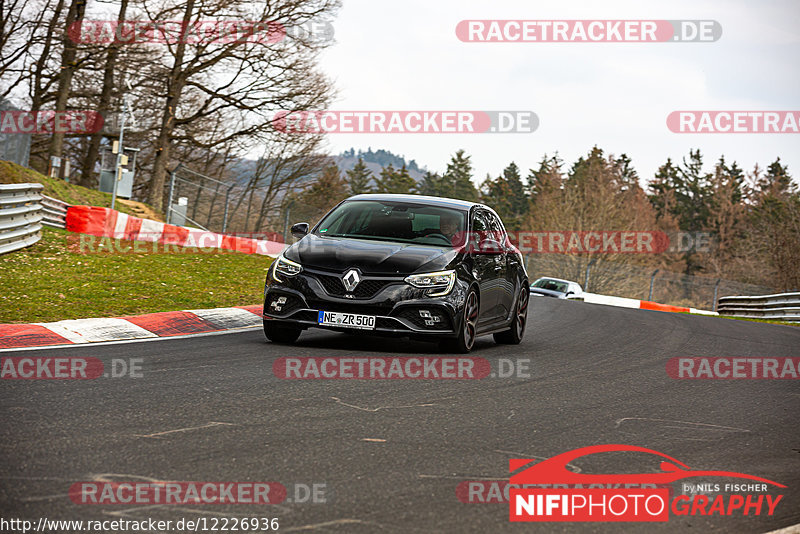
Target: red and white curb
(622,302)
(152,325)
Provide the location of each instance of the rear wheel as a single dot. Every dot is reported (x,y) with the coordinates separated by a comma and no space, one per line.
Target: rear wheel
(280,333)
(469,326)
(513,335)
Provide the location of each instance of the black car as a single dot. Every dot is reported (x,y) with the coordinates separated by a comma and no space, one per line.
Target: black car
(422,267)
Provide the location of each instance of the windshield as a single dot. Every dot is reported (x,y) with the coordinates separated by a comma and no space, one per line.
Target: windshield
(552,285)
(401,222)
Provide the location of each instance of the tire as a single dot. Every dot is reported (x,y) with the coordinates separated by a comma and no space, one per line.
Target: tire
(463,343)
(278,333)
(513,335)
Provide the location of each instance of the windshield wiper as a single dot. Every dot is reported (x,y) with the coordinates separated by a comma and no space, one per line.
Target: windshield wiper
(370,237)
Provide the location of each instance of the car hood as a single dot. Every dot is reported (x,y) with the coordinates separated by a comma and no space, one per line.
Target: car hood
(548,293)
(371,257)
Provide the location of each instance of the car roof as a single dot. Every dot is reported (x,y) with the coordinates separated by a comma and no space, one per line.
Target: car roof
(420,199)
(556,280)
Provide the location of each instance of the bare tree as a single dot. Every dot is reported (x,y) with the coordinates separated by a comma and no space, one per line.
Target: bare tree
(110,76)
(69,65)
(247,79)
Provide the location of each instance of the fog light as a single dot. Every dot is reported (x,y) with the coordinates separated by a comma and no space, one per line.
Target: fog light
(278,303)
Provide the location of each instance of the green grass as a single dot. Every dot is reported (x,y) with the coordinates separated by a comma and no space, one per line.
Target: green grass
(753,320)
(52,280)
(11,173)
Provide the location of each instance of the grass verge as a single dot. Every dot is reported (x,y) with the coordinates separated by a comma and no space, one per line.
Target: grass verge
(754,320)
(52,280)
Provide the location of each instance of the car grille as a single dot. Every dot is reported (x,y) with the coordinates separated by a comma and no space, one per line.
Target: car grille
(306,315)
(366,289)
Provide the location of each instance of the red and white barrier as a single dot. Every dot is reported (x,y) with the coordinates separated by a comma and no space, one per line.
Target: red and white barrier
(621,302)
(105,222)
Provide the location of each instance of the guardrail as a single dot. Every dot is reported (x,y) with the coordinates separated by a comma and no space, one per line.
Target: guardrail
(780,307)
(20,216)
(54,212)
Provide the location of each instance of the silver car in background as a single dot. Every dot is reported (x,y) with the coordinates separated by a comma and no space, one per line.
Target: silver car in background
(556,288)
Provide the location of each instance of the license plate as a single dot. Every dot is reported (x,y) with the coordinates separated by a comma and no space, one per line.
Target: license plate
(347,320)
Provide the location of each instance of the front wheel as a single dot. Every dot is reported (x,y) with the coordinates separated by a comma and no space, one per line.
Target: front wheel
(462,344)
(278,333)
(513,335)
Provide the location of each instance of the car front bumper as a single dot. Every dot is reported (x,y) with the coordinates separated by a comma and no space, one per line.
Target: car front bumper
(399,308)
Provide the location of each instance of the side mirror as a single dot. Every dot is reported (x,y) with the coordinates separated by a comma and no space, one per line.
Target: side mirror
(300,230)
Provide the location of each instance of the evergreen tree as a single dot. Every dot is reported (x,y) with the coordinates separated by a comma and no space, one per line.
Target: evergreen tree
(547,178)
(459,178)
(506,195)
(627,177)
(692,194)
(395,181)
(516,189)
(662,190)
(777,180)
(432,184)
(359,178)
(321,195)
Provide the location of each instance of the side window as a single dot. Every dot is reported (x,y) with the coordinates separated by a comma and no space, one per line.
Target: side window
(498,233)
(479,229)
(479,224)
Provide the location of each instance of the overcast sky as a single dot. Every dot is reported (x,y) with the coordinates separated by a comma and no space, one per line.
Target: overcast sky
(404,55)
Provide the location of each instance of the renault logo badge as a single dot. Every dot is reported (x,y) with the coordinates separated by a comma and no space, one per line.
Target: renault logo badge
(351,280)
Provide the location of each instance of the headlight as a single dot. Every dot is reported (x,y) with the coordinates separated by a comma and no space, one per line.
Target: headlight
(441,282)
(285,267)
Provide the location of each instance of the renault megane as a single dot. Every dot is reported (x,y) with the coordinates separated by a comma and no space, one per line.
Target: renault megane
(400,265)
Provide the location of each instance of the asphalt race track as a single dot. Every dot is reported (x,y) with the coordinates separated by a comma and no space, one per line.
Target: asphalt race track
(391,452)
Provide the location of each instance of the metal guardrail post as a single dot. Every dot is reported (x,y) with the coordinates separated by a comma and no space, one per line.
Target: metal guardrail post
(716,289)
(652,281)
(286,222)
(586,278)
(171,191)
(118,167)
(225,214)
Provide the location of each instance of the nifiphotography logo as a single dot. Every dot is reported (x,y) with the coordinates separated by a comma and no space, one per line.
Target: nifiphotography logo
(571,496)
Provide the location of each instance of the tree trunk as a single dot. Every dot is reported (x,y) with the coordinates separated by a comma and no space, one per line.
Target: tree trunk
(90,157)
(68,67)
(175,85)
